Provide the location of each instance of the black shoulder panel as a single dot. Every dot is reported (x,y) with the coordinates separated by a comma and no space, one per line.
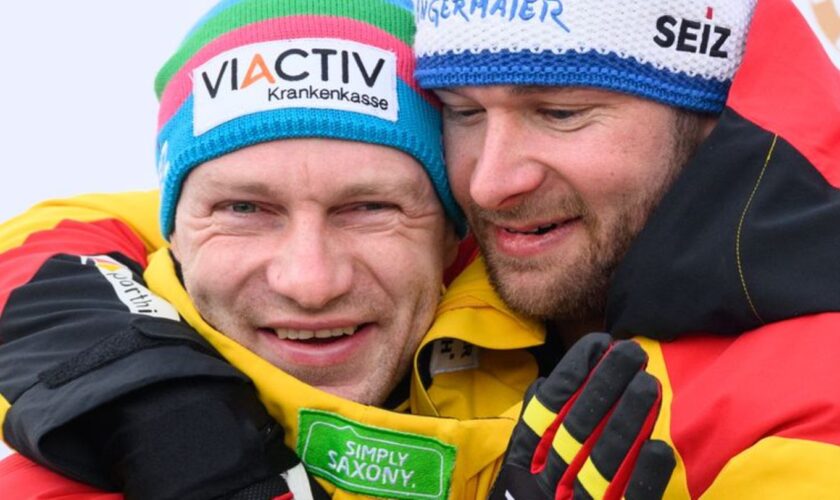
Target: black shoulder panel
(749,234)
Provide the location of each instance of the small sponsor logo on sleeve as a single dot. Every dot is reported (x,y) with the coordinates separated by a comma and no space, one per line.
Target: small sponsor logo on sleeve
(299,73)
(374,461)
(136,297)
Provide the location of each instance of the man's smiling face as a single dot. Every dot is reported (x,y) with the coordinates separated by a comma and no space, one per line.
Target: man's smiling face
(323,257)
(556,183)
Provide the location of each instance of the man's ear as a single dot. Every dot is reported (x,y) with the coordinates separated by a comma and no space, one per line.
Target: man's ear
(174,248)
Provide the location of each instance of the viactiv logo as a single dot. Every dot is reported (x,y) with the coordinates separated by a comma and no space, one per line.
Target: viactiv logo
(374,461)
(824,18)
(319,73)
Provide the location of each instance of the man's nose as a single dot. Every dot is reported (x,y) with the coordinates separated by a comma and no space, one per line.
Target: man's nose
(310,269)
(504,169)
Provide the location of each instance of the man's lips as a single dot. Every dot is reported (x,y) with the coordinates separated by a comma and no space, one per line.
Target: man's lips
(306,334)
(532,239)
(317,347)
(311,328)
(535,230)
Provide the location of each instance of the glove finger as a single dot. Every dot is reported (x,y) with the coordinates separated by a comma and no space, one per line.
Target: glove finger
(571,372)
(515,479)
(554,396)
(525,437)
(605,472)
(560,472)
(653,470)
(586,417)
(605,387)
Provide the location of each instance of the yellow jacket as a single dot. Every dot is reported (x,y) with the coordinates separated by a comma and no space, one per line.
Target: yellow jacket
(738,428)
(461,417)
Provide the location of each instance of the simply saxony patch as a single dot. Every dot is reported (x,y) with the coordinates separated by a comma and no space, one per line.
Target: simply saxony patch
(374,461)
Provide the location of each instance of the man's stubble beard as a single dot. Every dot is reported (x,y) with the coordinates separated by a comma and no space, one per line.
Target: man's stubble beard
(236,321)
(580,292)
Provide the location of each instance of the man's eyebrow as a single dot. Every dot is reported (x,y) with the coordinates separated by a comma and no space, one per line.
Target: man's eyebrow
(363,189)
(538,89)
(359,189)
(253,188)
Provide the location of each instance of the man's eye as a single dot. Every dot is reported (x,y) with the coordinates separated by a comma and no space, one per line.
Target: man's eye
(373,206)
(366,212)
(243,207)
(560,114)
(452,113)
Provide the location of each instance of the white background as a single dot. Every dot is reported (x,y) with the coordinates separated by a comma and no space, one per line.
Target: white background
(77,105)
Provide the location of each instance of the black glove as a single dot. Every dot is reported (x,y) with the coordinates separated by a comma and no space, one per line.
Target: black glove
(584,431)
(198,439)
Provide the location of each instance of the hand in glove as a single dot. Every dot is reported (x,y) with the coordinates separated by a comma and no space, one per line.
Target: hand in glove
(199,439)
(584,431)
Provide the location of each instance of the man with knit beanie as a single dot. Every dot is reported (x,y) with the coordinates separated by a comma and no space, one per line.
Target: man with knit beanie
(565,124)
(310,220)
(613,180)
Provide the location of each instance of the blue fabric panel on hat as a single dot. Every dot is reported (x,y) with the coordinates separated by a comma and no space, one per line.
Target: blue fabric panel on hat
(592,68)
(417,132)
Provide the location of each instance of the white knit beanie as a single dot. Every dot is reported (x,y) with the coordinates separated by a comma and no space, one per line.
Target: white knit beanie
(683,53)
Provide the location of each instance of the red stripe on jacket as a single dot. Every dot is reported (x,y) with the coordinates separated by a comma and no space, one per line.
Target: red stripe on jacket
(722,405)
(22,479)
(788,84)
(20,264)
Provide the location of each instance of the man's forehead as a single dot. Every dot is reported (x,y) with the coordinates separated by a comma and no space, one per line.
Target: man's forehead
(289,179)
(527,91)
(541,89)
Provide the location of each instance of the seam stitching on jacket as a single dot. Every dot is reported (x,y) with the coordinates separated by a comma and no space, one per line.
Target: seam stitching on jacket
(741,225)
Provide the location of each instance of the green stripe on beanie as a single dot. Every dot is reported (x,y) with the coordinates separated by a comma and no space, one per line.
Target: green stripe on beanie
(383,15)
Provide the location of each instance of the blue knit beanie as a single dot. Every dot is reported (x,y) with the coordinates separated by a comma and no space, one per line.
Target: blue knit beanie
(254,71)
(683,53)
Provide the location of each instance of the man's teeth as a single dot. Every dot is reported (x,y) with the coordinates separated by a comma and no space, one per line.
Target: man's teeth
(536,231)
(287,334)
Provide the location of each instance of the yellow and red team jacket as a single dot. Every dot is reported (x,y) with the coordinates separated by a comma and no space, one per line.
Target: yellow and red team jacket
(733,282)
(736,275)
(100,242)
